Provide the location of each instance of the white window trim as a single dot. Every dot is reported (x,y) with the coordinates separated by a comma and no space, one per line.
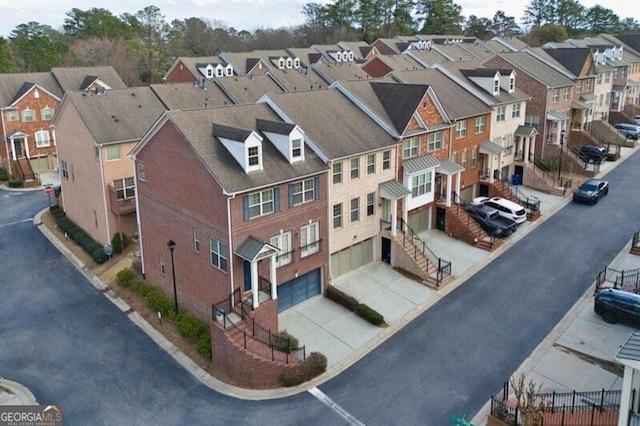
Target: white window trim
(285,256)
(42,143)
(262,203)
(216,249)
(306,233)
(304,192)
(196,240)
(107,153)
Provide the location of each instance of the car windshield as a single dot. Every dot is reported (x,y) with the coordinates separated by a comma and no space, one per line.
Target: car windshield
(588,187)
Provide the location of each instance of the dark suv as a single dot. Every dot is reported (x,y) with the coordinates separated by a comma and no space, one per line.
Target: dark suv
(592,154)
(614,305)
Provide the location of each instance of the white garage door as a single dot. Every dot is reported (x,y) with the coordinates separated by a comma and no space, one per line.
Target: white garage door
(352,258)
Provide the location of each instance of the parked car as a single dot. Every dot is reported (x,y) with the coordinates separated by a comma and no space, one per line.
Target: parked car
(592,154)
(636,118)
(617,305)
(491,221)
(591,191)
(631,131)
(506,208)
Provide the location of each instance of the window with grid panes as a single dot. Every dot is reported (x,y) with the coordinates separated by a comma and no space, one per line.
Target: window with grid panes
(461,129)
(566,93)
(434,141)
(420,184)
(355,209)
(254,155)
(386,160)
(261,203)
(337,172)
(309,239)
(219,254)
(371,164)
(355,168)
(515,111)
(283,242)
(371,199)
(501,113)
(337,216)
(474,157)
(480,124)
(410,148)
(125,188)
(303,191)
(556,96)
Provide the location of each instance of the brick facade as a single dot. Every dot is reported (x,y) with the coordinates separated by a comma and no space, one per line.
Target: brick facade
(180,74)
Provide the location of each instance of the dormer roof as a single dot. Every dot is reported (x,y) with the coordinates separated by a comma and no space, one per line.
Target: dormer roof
(279,127)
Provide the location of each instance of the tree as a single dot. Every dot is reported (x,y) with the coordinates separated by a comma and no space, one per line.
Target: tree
(34,48)
(504,26)
(152,32)
(440,17)
(629,26)
(478,27)
(6,61)
(571,15)
(98,51)
(369,15)
(341,16)
(548,33)
(602,20)
(95,22)
(538,13)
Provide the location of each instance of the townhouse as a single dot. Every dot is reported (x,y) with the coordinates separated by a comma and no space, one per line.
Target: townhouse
(28,102)
(95,131)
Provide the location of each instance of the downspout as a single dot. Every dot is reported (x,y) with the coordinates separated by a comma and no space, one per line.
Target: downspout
(329,210)
(4,136)
(230,242)
(135,177)
(104,197)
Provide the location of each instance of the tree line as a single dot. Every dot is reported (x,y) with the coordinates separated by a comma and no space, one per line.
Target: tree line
(142,46)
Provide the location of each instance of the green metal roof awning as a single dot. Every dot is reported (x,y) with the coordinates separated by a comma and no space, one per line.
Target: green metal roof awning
(579,105)
(526,131)
(588,97)
(631,349)
(449,167)
(419,164)
(489,147)
(557,116)
(392,190)
(254,249)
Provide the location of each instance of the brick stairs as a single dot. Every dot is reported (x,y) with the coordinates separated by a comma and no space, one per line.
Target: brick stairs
(25,169)
(472,232)
(410,248)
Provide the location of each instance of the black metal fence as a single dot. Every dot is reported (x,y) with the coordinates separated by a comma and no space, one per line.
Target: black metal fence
(619,279)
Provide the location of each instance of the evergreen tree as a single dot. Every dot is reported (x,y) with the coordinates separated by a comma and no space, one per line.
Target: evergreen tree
(478,27)
(6,61)
(504,26)
(34,49)
(602,20)
(440,17)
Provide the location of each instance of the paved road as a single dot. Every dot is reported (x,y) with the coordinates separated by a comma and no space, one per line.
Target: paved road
(61,338)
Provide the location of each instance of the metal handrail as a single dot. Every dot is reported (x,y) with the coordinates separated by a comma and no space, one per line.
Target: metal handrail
(443,266)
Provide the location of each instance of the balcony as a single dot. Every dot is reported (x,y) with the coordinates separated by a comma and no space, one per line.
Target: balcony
(121,207)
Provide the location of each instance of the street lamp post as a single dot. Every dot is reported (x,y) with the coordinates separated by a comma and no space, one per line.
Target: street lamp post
(171,244)
(561,146)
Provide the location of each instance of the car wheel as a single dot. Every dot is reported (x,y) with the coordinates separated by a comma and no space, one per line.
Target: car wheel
(606,191)
(609,317)
(595,200)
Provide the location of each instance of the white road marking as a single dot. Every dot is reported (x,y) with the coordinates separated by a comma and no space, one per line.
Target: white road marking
(16,222)
(335,407)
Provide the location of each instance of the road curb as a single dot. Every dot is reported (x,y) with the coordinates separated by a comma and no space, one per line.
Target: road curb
(19,394)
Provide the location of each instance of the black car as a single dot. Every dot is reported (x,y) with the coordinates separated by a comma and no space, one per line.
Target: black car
(591,191)
(592,154)
(617,305)
(491,221)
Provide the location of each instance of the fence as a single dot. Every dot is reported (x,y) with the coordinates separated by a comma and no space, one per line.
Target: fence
(561,408)
(619,279)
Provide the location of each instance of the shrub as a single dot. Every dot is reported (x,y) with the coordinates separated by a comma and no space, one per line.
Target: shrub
(99,256)
(313,366)
(204,345)
(341,298)
(3,175)
(546,164)
(55,210)
(159,302)
(14,183)
(190,327)
(64,223)
(116,243)
(143,288)
(369,314)
(283,341)
(125,277)
(75,233)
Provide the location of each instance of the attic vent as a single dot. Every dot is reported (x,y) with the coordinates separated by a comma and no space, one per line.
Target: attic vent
(133,94)
(139,106)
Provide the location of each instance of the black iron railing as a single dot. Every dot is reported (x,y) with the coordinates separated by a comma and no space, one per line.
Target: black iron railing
(619,279)
(420,246)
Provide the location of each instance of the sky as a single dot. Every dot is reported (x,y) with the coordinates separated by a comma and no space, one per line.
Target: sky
(245,14)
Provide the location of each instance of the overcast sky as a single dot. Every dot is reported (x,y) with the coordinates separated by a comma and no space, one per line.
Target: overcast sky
(245,14)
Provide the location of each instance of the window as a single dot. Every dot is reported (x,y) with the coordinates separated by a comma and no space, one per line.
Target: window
(599,79)
(47,113)
(283,242)
(461,129)
(196,240)
(125,188)
(28,115)
(515,112)
(12,115)
(309,240)
(474,157)
(303,191)
(501,113)
(512,84)
(371,199)
(555,96)
(142,175)
(296,148)
(587,85)
(253,154)
(480,124)
(410,148)
(566,93)
(434,141)
(371,164)
(355,168)
(260,203)
(42,139)
(113,152)
(64,170)
(337,173)
(607,77)
(496,86)
(219,254)
(421,184)
(464,159)
(579,86)
(386,160)
(355,209)
(337,216)
(162,264)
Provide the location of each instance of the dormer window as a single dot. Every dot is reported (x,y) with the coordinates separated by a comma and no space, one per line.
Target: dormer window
(345,56)
(281,63)
(350,55)
(253,156)
(229,70)
(289,63)
(209,71)
(219,71)
(496,86)
(512,83)
(296,149)
(296,63)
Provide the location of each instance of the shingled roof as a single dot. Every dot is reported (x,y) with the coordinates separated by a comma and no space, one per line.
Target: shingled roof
(400,101)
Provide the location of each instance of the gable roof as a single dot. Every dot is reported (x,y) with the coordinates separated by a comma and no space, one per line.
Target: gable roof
(244,89)
(188,95)
(400,101)
(117,115)
(197,126)
(334,125)
(14,85)
(81,78)
(191,63)
(537,69)
(571,58)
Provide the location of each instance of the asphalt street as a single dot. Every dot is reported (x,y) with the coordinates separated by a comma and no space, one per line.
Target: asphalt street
(67,343)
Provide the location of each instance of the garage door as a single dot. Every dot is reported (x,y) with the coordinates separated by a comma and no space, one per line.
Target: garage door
(419,221)
(352,258)
(299,289)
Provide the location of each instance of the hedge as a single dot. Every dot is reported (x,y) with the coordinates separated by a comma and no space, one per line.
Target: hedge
(313,366)
(117,243)
(125,277)
(341,298)
(283,341)
(3,175)
(369,314)
(14,183)
(195,331)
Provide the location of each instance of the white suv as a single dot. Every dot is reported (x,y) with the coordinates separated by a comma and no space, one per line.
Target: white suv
(506,208)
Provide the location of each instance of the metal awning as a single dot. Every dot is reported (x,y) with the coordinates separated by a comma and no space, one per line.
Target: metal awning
(526,131)
(253,249)
(392,190)
(449,167)
(588,97)
(489,147)
(631,349)
(557,116)
(579,105)
(420,164)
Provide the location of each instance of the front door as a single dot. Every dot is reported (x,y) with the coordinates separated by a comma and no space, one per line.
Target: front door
(441,214)
(17,148)
(386,250)
(247,275)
